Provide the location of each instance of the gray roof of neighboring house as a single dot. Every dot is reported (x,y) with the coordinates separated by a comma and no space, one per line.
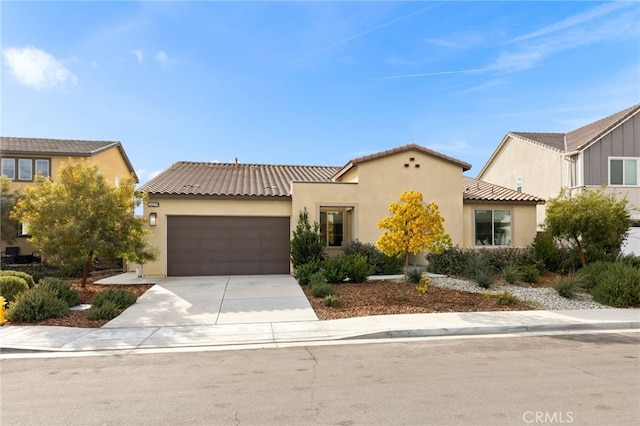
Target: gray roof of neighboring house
(582,137)
(234,179)
(477,190)
(60,148)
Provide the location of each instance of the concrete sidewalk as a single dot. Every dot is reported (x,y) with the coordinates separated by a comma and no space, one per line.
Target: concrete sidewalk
(269,334)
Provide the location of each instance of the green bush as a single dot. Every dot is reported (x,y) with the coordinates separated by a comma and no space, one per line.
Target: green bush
(450,262)
(36,304)
(12,286)
(26,277)
(619,287)
(35,270)
(317,278)
(304,272)
(306,245)
(569,285)
(380,263)
(333,270)
(510,273)
(630,260)
(414,275)
(484,279)
(507,298)
(332,301)
(356,267)
(546,250)
(529,274)
(498,258)
(61,289)
(321,289)
(121,298)
(594,272)
(70,270)
(108,310)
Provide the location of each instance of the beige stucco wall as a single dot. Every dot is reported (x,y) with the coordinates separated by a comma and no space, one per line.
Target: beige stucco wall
(380,182)
(523,222)
(543,171)
(202,207)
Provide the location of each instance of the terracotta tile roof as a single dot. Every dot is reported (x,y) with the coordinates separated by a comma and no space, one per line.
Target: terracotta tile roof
(580,138)
(230,179)
(477,190)
(412,146)
(60,148)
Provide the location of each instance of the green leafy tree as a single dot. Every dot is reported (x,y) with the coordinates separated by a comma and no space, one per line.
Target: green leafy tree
(80,216)
(8,198)
(593,221)
(306,245)
(412,228)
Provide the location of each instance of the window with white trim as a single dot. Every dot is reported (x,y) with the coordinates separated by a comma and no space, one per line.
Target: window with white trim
(492,227)
(623,171)
(332,228)
(25,169)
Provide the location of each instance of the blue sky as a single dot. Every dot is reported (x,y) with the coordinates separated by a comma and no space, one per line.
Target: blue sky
(312,83)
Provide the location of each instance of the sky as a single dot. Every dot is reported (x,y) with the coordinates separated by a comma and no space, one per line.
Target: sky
(311,83)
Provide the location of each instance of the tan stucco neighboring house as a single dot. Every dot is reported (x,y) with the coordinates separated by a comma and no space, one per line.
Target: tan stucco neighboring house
(603,153)
(22,159)
(235,218)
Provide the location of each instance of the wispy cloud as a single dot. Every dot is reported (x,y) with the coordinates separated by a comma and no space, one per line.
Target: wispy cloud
(161,57)
(608,22)
(37,69)
(396,61)
(453,147)
(139,55)
(458,41)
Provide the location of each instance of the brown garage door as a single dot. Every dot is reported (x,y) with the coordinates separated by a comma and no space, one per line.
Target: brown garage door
(227,245)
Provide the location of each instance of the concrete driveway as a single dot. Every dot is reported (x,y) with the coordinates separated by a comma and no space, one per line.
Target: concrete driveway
(212,300)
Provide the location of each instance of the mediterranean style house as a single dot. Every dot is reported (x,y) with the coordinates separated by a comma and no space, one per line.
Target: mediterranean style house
(237,219)
(22,159)
(603,153)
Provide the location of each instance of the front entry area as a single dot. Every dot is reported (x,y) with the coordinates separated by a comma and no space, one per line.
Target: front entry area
(227,245)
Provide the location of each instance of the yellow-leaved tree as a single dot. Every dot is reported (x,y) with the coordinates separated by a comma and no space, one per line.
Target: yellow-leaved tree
(412,228)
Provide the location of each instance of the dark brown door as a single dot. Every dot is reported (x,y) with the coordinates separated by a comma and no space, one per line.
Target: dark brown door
(227,245)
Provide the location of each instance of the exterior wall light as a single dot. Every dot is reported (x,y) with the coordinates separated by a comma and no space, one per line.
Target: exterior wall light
(153,219)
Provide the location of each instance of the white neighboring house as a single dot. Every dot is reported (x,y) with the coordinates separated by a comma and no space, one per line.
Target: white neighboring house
(603,153)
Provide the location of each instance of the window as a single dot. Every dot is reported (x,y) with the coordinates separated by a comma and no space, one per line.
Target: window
(623,171)
(27,168)
(493,227)
(331,228)
(9,168)
(42,168)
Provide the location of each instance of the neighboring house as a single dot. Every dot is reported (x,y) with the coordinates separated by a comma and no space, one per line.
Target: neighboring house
(234,218)
(22,159)
(602,153)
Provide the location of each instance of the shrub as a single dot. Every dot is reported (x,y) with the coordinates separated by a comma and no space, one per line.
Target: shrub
(321,290)
(380,263)
(475,265)
(450,262)
(507,298)
(121,298)
(304,272)
(71,270)
(36,304)
(546,250)
(529,274)
(108,310)
(423,284)
(306,246)
(12,286)
(62,290)
(356,267)
(26,277)
(594,272)
(317,278)
(484,279)
(334,270)
(414,275)
(510,273)
(36,270)
(569,285)
(332,301)
(498,258)
(619,287)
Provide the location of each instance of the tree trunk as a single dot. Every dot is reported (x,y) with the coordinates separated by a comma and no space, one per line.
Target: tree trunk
(406,266)
(87,269)
(581,253)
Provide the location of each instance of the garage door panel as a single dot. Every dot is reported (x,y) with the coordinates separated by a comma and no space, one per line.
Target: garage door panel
(227,245)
